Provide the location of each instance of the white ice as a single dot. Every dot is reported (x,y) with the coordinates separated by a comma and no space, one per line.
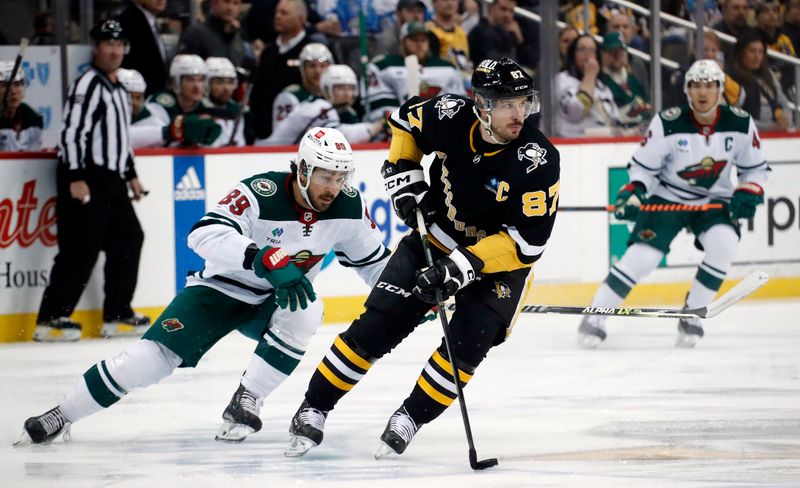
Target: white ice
(636,412)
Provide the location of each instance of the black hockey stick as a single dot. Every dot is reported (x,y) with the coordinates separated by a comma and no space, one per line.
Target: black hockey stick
(17,62)
(748,285)
(473,455)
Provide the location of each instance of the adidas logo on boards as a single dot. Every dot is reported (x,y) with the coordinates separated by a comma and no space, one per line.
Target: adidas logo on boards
(189,187)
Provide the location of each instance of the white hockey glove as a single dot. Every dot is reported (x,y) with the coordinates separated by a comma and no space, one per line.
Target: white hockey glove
(449,274)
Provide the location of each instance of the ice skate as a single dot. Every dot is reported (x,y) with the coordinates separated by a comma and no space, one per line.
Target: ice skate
(689,332)
(305,430)
(61,329)
(397,435)
(44,428)
(134,326)
(590,332)
(240,418)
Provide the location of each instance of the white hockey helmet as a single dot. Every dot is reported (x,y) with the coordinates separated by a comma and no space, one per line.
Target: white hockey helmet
(324,148)
(314,51)
(185,65)
(336,74)
(6,67)
(132,80)
(704,70)
(220,68)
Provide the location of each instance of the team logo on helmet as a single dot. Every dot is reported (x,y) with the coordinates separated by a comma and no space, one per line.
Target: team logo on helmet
(264,187)
(448,107)
(534,153)
(171,325)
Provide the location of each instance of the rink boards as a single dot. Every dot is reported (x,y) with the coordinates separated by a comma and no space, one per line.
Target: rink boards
(182,184)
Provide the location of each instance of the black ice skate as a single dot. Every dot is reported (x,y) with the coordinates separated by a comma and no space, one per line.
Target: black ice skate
(60,329)
(305,430)
(44,428)
(398,433)
(134,326)
(589,335)
(240,418)
(689,332)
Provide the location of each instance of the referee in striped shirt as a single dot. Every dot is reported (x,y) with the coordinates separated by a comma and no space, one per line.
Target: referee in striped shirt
(93,209)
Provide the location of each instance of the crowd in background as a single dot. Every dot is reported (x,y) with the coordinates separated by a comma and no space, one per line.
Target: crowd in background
(261,72)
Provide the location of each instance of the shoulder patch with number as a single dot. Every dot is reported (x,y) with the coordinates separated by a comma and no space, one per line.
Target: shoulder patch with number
(349,191)
(671,113)
(165,99)
(264,187)
(739,112)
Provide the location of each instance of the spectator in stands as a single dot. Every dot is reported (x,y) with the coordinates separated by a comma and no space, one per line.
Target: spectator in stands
(388,77)
(566,36)
(314,59)
(791,22)
(734,23)
(276,69)
(221,81)
(768,19)
(624,23)
(334,109)
(629,94)
(133,81)
(386,40)
(500,35)
(447,37)
(178,116)
(20,125)
(43,29)
(756,86)
(219,35)
(260,28)
(147,53)
(572,11)
(585,104)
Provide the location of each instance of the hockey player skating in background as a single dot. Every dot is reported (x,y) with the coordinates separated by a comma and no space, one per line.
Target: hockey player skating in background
(491,206)
(314,58)
(178,116)
(263,244)
(388,76)
(222,80)
(133,81)
(334,109)
(687,156)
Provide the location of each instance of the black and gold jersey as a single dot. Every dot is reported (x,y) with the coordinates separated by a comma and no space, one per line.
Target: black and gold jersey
(499,201)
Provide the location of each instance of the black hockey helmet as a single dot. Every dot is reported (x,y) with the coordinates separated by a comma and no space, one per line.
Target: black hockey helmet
(108,29)
(494,80)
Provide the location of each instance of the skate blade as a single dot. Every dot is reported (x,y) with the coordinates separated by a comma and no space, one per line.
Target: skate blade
(48,334)
(686,341)
(233,432)
(588,341)
(298,446)
(24,439)
(384,450)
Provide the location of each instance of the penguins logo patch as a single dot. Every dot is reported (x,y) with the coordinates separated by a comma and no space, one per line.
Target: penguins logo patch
(502,290)
(448,107)
(264,187)
(534,153)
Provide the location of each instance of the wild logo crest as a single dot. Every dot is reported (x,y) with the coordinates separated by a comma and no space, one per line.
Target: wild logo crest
(703,174)
(171,325)
(305,259)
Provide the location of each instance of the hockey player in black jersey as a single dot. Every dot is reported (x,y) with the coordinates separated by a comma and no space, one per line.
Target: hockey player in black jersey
(490,203)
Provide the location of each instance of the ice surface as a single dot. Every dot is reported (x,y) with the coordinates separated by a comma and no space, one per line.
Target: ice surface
(635,412)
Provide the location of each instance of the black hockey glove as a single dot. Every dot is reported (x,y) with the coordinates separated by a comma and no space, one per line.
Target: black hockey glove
(449,274)
(405,184)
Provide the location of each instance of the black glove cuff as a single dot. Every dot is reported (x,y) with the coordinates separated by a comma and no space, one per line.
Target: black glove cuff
(249,256)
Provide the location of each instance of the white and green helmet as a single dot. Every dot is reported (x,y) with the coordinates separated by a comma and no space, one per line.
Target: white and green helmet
(336,74)
(704,70)
(324,148)
(132,80)
(185,65)
(217,67)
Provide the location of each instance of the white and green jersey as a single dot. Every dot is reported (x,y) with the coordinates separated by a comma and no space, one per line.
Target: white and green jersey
(227,124)
(685,162)
(318,112)
(388,82)
(261,210)
(286,101)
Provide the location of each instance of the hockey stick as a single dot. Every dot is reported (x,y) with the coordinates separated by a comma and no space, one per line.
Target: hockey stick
(473,455)
(23,44)
(748,285)
(648,207)
(412,75)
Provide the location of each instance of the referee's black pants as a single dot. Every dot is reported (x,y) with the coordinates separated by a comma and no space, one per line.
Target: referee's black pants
(107,223)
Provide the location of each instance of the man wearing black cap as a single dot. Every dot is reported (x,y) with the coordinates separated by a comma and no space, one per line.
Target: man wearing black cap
(407,11)
(93,209)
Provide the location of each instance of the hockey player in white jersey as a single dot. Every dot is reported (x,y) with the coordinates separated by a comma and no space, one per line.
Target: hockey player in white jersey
(263,244)
(335,109)
(314,59)
(133,81)
(388,76)
(687,156)
(222,79)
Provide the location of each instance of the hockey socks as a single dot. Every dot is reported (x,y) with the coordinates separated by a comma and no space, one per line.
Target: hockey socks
(435,389)
(340,370)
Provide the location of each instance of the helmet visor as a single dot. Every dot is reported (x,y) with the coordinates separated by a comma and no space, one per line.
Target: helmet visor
(334,180)
(501,107)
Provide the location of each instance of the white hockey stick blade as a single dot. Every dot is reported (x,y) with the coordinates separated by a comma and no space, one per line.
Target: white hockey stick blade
(747,286)
(412,75)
